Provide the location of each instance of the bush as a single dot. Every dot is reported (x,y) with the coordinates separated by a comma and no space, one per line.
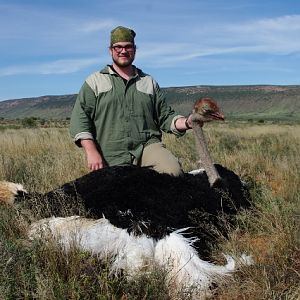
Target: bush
(29,122)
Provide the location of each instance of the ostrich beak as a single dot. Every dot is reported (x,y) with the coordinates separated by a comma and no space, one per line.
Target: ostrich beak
(217,116)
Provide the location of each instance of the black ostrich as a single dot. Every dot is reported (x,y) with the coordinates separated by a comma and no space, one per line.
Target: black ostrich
(143,201)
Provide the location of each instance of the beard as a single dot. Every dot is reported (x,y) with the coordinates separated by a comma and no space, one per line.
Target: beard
(123,63)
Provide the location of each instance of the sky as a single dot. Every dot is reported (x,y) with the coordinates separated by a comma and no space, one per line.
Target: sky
(49,47)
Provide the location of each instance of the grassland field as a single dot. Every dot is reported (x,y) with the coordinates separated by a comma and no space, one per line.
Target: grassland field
(266,156)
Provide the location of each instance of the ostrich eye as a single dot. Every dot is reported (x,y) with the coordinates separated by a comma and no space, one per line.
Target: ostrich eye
(207,109)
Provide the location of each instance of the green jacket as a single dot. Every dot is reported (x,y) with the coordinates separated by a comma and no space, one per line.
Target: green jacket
(121,118)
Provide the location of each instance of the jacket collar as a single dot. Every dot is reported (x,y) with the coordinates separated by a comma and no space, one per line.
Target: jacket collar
(108,70)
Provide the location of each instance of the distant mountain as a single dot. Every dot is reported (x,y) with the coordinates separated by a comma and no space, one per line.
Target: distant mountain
(45,107)
(247,102)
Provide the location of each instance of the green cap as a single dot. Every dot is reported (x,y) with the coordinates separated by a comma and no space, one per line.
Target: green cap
(122,34)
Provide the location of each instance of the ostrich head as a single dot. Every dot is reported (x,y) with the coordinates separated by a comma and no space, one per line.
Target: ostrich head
(206,109)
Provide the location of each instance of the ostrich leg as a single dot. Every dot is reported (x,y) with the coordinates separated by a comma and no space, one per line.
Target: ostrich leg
(201,146)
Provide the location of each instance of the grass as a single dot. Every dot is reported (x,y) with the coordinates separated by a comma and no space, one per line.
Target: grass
(264,155)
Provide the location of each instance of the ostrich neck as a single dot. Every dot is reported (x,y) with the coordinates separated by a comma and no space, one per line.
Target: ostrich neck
(204,155)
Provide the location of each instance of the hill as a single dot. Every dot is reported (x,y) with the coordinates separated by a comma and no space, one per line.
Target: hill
(244,102)
(268,102)
(46,107)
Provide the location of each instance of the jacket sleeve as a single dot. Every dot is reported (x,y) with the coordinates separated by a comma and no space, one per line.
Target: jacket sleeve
(165,114)
(81,125)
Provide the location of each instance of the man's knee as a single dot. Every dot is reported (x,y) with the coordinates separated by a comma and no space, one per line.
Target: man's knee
(161,159)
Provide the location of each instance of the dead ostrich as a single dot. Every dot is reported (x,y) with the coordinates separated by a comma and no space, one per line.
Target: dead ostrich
(136,214)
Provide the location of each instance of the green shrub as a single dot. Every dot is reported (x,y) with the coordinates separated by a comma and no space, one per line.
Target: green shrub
(29,122)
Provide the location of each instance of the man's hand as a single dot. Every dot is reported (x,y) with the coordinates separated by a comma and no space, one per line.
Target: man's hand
(95,160)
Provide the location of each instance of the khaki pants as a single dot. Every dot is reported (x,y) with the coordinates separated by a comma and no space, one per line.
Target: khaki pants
(158,157)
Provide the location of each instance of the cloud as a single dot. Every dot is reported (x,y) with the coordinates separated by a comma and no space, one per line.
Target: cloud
(287,23)
(32,24)
(278,35)
(97,25)
(266,37)
(55,67)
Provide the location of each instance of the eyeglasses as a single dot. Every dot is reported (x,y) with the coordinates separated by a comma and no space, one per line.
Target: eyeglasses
(119,48)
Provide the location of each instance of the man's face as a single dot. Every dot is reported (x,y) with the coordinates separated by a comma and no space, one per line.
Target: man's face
(123,53)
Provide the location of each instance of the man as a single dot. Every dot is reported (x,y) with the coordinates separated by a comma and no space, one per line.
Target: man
(120,113)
